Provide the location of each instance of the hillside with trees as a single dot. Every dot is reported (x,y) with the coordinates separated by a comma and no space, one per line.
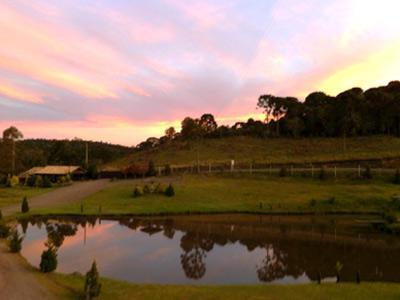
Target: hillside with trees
(29,153)
(355,124)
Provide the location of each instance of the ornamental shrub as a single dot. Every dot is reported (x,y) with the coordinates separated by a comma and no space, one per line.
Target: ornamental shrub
(48,262)
(92,283)
(137,192)
(15,242)
(170,191)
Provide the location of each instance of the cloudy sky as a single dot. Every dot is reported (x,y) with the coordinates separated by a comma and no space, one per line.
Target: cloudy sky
(123,70)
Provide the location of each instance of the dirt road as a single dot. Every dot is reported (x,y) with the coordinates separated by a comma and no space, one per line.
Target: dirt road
(72,193)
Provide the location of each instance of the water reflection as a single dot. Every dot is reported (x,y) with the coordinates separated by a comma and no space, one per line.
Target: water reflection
(217,249)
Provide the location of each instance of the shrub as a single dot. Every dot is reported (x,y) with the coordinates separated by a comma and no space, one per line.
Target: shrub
(390,216)
(160,189)
(168,170)
(46,182)
(15,242)
(322,173)
(4,230)
(92,172)
(38,181)
(137,192)
(146,189)
(396,179)
(170,191)
(92,284)
(24,205)
(12,181)
(367,174)
(151,171)
(283,172)
(48,262)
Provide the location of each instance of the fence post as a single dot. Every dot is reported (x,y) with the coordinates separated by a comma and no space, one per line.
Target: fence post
(291,170)
(335,172)
(312,171)
(209,168)
(359,171)
(232,165)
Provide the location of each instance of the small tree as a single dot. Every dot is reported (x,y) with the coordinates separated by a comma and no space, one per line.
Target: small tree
(12,181)
(367,174)
(48,262)
(283,172)
(322,173)
(338,268)
(15,242)
(137,192)
(170,191)
(92,284)
(396,179)
(92,172)
(151,171)
(24,205)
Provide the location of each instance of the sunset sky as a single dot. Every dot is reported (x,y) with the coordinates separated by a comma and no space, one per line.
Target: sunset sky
(123,70)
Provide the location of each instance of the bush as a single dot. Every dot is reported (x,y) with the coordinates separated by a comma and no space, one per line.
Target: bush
(137,192)
(38,181)
(396,179)
(283,172)
(151,171)
(92,172)
(12,181)
(160,189)
(24,205)
(367,174)
(4,230)
(170,191)
(46,182)
(48,262)
(15,242)
(322,173)
(92,284)
(146,189)
(168,170)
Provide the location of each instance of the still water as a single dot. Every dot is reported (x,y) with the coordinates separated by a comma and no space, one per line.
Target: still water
(218,249)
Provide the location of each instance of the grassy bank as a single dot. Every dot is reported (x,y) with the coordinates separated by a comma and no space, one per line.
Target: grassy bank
(119,290)
(241,193)
(272,150)
(11,196)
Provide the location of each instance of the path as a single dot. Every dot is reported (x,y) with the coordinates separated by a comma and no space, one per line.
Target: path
(17,279)
(64,195)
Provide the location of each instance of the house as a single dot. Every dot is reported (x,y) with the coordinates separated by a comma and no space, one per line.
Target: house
(55,172)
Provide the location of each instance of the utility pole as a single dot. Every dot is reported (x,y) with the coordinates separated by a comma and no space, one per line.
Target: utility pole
(87,155)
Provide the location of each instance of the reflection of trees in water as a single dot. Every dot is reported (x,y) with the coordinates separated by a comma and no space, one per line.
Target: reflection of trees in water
(274,264)
(195,249)
(56,233)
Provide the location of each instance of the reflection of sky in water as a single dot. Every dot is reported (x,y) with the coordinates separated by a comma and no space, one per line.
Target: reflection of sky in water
(214,255)
(123,253)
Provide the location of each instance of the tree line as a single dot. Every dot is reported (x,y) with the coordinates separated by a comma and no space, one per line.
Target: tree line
(18,155)
(354,112)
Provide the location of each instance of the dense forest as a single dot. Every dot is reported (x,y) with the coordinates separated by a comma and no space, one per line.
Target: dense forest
(39,152)
(351,113)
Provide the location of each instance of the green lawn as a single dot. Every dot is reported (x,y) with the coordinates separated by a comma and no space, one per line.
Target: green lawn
(242,193)
(10,196)
(271,150)
(119,290)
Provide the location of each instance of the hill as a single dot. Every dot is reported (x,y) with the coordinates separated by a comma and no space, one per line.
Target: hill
(267,150)
(38,152)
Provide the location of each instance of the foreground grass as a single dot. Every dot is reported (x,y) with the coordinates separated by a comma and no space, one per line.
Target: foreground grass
(242,193)
(271,150)
(11,196)
(119,290)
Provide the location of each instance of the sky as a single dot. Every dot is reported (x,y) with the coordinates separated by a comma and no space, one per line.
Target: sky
(120,71)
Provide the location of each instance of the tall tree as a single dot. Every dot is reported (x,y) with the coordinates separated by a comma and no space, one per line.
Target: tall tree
(207,124)
(11,135)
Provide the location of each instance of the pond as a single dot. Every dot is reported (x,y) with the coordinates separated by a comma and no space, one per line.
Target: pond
(217,249)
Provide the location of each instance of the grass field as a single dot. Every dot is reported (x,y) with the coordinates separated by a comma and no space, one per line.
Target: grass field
(242,193)
(10,196)
(119,290)
(272,150)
